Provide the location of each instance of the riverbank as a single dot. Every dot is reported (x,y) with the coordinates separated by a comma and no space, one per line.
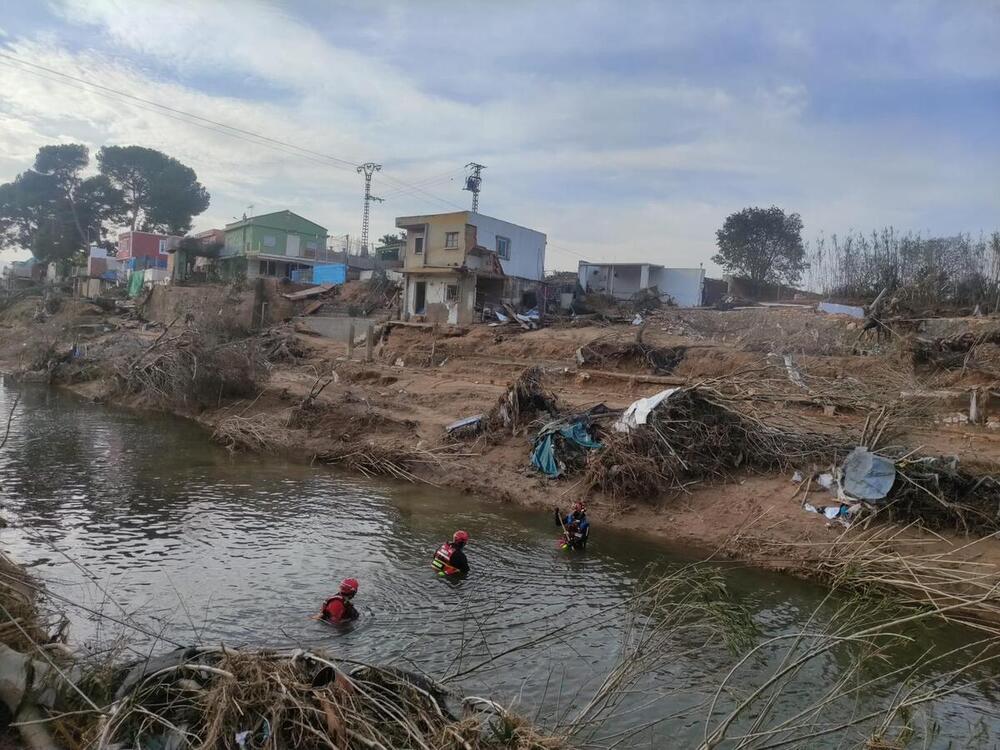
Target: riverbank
(310,400)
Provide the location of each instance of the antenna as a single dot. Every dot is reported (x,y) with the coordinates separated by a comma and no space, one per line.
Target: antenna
(474,182)
(368,169)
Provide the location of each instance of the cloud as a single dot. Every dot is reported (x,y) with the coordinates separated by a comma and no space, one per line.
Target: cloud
(620,130)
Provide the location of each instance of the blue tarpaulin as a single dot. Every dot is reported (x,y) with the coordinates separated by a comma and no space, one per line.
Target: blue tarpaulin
(543,455)
(332,273)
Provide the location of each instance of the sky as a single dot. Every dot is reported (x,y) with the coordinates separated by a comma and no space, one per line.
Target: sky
(624,131)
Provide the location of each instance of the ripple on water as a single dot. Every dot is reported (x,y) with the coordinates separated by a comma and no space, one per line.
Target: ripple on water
(206,546)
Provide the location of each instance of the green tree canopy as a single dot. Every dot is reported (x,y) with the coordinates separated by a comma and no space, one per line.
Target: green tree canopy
(160,194)
(763,244)
(52,210)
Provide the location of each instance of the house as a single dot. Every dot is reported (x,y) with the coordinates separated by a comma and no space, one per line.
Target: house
(141,250)
(683,286)
(23,273)
(192,256)
(275,244)
(456,264)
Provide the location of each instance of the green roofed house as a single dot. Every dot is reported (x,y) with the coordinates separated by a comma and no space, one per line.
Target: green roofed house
(279,244)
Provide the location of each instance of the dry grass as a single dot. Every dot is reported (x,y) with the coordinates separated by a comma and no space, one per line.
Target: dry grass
(207,697)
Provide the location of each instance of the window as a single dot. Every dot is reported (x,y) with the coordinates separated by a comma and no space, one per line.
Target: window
(418,245)
(503,247)
(163,246)
(451,240)
(451,293)
(268,268)
(311,245)
(269,240)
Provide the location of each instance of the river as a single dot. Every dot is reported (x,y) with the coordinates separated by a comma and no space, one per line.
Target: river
(140,519)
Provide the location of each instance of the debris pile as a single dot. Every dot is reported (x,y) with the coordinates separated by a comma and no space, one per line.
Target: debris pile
(681,435)
(241,699)
(185,369)
(524,401)
(610,353)
(561,446)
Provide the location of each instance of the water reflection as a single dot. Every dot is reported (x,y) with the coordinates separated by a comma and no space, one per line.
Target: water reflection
(198,545)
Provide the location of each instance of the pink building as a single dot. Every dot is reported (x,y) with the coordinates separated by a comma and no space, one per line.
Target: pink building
(154,248)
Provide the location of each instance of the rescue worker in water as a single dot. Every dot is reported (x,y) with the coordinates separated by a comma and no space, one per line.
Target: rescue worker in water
(450,559)
(338,608)
(575,526)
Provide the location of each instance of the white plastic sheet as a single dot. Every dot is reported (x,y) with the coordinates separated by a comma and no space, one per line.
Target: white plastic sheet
(638,411)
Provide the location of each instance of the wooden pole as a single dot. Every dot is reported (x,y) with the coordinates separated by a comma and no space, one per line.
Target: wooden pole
(369,343)
(350,340)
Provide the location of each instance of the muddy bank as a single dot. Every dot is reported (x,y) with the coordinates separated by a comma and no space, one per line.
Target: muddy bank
(301,396)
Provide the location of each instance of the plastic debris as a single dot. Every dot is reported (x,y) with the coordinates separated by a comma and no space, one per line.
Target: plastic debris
(543,455)
(470,423)
(867,476)
(638,411)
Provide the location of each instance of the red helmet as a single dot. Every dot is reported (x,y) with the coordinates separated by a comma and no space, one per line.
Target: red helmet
(349,586)
(460,537)
(578,505)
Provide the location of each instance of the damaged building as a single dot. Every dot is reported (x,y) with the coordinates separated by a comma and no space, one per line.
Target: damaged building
(458,265)
(683,287)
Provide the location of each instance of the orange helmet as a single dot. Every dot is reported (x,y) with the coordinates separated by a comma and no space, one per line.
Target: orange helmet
(460,537)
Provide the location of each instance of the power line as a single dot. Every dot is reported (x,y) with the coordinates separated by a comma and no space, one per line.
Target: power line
(185,120)
(345,164)
(285,147)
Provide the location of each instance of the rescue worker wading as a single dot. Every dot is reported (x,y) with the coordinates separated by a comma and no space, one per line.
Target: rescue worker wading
(338,608)
(575,526)
(450,558)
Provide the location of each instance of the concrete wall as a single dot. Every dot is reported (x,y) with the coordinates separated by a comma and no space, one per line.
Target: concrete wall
(219,304)
(335,327)
(433,228)
(438,309)
(527,247)
(684,285)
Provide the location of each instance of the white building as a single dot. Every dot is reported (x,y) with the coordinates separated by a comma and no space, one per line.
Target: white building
(457,263)
(683,286)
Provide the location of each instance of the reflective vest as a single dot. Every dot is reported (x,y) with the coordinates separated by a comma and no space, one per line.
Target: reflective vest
(442,560)
(348,607)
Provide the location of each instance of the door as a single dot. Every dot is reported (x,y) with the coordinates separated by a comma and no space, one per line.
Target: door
(292,246)
(420,298)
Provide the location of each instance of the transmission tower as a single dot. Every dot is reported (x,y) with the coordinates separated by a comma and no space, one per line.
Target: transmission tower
(368,169)
(474,182)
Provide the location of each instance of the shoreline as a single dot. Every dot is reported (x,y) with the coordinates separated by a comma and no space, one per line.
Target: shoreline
(387,416)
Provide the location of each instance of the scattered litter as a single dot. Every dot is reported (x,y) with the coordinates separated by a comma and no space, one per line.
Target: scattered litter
(833,308)
(637,320)
(638,411)
(797,477)
(400,363)
(825,480)
(468,424)
(867,476)
(501,317)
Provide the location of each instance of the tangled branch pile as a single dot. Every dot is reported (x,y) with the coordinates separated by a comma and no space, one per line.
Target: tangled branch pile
(259,433)
(695,434)
(524,401)
(280,344)
(189,370)
(218,698)
(941,494)
(608,353)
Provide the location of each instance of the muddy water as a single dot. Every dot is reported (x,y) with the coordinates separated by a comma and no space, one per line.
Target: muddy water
(139,519)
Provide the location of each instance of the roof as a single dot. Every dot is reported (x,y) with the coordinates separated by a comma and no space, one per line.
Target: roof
(273,218)
(409,221)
